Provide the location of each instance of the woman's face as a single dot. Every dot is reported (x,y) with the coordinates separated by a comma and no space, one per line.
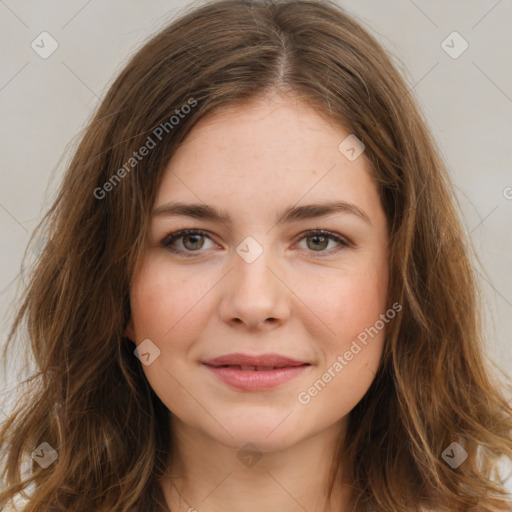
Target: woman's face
(296,316)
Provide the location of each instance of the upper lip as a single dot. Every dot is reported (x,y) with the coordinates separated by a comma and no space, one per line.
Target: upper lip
(275,360)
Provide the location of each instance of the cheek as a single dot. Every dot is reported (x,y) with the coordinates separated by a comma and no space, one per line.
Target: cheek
(347,302)
(168,305)
(351,306)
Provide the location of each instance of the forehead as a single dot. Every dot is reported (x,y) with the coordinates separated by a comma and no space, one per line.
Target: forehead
(265,153)
(271,130)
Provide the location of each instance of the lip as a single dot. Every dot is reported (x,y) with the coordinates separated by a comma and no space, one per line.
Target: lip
(256,374)
(260,360)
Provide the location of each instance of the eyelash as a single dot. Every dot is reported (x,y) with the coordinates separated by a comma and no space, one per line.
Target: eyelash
(172,237)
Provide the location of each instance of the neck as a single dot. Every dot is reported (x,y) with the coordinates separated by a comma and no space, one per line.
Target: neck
(207,476)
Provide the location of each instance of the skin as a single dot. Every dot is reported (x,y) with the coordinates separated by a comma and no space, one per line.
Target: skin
(308,303)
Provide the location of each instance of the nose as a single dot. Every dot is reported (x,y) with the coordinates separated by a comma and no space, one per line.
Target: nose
(255,295)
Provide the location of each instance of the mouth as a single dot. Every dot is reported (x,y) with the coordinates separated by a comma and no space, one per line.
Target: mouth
(265,361)
(246,368)
(255,373)
(253,368)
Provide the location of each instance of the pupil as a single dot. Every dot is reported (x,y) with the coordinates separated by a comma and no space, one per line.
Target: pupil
(316,237)
(188,237)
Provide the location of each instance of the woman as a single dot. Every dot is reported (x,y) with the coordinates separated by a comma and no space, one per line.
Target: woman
(255,293)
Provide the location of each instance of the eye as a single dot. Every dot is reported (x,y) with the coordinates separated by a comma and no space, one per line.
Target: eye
(193,240)
(320,239)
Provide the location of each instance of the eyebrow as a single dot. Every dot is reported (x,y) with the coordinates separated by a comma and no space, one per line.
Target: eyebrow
(289,215)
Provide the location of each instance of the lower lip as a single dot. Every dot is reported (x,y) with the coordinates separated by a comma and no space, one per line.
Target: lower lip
(252,380)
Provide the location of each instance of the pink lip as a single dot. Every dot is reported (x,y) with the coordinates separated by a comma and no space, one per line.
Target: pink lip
(247,360)
(228,369)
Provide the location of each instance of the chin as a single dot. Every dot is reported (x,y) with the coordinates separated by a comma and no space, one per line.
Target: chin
(268,434)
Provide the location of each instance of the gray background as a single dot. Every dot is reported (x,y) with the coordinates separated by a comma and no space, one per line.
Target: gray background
(45,103)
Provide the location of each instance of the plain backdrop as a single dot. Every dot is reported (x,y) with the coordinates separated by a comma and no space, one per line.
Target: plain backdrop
(466,97)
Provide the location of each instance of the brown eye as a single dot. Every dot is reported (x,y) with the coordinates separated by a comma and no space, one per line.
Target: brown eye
(187,242)
(318,242)
(193,242)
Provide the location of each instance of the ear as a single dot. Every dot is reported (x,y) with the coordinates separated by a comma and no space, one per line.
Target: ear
(128,332)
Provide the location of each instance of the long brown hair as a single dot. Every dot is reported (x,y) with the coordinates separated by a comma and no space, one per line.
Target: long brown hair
(90,400)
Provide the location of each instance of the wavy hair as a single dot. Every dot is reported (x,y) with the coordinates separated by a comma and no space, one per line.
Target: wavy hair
(89,398)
